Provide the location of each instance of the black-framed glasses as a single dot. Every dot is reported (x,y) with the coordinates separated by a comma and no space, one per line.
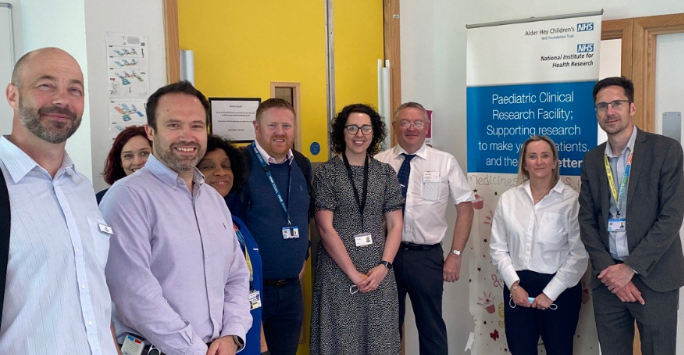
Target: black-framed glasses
(408,124)
(354,129)
(615,104)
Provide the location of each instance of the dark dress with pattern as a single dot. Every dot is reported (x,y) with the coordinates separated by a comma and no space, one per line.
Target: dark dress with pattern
(342,323)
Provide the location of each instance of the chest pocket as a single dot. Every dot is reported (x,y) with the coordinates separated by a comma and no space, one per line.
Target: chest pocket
(551,230)
(431,186)
(100,232)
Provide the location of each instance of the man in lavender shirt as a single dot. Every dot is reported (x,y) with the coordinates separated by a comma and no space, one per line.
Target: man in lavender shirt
(176,272)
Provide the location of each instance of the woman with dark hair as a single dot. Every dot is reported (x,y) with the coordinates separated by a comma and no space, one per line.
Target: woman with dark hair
(536,248)
(224,169)
(355,302)
(129,152)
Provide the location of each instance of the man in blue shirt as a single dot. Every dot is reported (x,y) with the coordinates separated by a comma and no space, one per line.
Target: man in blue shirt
(56,299)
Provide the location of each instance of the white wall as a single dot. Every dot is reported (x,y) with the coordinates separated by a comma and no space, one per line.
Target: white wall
(145,18)
(433,58)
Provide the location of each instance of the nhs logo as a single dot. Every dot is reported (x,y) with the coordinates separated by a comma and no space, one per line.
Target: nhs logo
(585,48)
(585,26)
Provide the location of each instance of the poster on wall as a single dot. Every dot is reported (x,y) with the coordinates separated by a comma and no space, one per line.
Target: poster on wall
(124,113)
(232,118)
(127,69)
(524,79)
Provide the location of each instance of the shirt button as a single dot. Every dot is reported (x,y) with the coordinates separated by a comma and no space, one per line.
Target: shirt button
(90,323)
(78,250)
(83,286)
(175,188)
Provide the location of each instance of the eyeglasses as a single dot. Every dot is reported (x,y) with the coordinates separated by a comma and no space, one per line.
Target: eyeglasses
(408,124)
(354,129)
(615,104)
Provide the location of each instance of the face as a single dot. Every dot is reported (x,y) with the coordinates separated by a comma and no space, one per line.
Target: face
(275,131)
(357,143)
(539,161)
(217,171)
(134,154)
(180,139)
(410,138)
(49,100)
(614,121)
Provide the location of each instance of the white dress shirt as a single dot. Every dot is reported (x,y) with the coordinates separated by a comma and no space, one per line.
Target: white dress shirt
(267,157)
(435,175)
(543,238)
(56,296)
(617,241)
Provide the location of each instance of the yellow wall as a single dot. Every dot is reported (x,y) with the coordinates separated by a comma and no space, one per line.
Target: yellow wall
(240,47)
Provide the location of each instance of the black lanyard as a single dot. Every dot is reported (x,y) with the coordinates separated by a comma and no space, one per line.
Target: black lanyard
(361,202)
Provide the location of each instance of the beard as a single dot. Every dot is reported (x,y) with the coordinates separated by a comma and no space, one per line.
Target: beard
(47,130)
(175,162)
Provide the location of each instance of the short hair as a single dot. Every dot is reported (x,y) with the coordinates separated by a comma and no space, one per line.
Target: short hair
(411,104)
(620,81)
(113,169)
(337,142)
(273,103)
(237,160)
(181,87)
(18,67)
(523,175)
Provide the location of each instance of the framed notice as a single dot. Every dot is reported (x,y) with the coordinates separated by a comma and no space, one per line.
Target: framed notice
(232,118)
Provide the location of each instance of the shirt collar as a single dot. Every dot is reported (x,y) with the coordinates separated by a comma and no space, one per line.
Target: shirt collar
(558,188)
(268,158)
(167,175)
(19,164)
(630,145)
(421,152)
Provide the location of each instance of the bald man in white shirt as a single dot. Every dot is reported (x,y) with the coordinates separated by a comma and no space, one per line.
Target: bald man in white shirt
(428,178)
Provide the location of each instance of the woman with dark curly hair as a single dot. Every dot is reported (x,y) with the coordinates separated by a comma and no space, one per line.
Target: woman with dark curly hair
(355,303)
(224,169)
(129,152)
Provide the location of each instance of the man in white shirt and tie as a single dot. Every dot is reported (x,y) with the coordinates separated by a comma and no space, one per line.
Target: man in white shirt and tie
(428,178)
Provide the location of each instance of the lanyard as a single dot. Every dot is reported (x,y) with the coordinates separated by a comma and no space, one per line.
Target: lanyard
(617,197)
(360,202)
(248,260)
(273,184)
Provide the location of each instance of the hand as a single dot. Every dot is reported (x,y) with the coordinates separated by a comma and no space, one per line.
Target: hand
(616,276)
(520,297)
(542,301)
(301,273)
(357,277)
(629,293)
(375,277)
(452,268)
(223,346)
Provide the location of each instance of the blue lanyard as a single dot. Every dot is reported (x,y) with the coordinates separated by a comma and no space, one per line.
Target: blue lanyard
(273,184)
(248,260)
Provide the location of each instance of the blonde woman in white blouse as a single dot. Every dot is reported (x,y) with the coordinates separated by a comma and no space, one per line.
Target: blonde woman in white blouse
(536,248)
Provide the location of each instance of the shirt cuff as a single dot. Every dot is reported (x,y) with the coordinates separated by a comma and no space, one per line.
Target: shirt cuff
(510,276)
(554,288)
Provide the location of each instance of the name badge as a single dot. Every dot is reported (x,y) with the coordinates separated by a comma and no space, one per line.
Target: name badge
(363,239)
(105,228)
(254,300)
(431,176)
(290,232)
(617,225)
(132,345)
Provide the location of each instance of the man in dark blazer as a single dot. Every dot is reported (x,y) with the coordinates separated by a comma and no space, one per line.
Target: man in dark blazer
(630,226)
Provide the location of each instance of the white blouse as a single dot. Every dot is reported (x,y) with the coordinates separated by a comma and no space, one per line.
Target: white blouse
(543,238)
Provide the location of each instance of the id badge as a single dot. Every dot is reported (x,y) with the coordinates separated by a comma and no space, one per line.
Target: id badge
(105,228)
(132,345)
(431,176)
(363,239)
(617,225)
(290,232)
(254,300)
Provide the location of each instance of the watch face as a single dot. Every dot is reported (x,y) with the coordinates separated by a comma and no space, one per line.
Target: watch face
(387,264)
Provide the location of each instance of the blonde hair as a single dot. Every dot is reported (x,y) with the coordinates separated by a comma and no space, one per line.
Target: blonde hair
(523,175)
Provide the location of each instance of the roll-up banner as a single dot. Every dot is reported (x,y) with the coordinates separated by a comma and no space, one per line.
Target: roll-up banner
(525,78)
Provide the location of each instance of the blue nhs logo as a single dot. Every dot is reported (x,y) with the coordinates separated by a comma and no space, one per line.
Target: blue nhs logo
(585,26)
(585,47)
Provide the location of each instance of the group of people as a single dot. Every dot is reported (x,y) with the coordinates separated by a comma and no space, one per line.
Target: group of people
(199,247)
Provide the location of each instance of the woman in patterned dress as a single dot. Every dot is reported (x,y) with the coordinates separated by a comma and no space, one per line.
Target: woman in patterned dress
(355,304)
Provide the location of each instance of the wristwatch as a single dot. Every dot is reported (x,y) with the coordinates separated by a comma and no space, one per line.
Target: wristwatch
(387,264)
(456,252)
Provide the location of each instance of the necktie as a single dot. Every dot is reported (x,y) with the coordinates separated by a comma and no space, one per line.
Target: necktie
(404,172)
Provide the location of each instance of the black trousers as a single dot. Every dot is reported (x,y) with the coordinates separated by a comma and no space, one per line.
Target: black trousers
(556,327)
(282,316)
(419,274)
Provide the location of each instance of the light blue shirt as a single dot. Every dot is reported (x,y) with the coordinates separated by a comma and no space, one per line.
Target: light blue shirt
(176,270)
(56,298)
(617,241)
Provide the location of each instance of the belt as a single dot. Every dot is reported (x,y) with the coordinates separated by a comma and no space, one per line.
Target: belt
(279,283)
(419,247)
